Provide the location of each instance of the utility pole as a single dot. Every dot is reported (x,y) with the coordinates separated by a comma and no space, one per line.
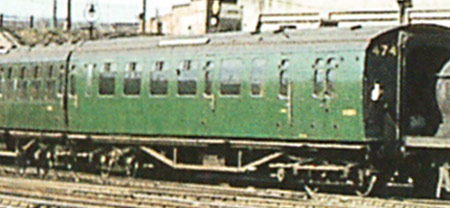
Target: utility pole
(144,15)
(55,11)
(31,21)
(69,15)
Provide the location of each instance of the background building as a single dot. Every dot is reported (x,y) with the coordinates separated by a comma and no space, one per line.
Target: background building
(201,16)
(198,17)
(253,8)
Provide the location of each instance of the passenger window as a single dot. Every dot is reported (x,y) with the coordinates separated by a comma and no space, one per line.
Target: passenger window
(230,77)
(9,74)
(50,84)
(9,84)
(283,78)
(73,81)
(107,81)
(22,84)
(323,78)
(35,84)
(187,79)
(22,73)
(50,72)
(1,81)
(257,77)
(209,66)
(61,80)
(36,72)
(132,80)
(90,68)
(158,81)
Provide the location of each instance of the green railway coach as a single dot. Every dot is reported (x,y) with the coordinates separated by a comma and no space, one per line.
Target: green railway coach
(340,101)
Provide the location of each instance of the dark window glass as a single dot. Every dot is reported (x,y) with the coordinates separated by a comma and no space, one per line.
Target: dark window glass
(9,89)
(1,81)
(9,74)
(61,80)
(186,79)
(208,83)
(9,84)
(329,86)
(36,84)
(158,84)
(257,77)
(209,66)
(22,85)
(50,84)
(132,80)
(35,89)
(73,81)
(230,77)
(22,73)
(158,81)
(159,65)
(283,77)
(318,82)
(73,84)
(50,72)
(283,83)
(22,88)
(36,72)
(107,81)
(51,90)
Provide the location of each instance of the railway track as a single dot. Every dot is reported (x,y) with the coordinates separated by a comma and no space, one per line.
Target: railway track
(60,189)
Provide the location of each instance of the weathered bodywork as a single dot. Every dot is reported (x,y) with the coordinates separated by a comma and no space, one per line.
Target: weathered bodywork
(321,79)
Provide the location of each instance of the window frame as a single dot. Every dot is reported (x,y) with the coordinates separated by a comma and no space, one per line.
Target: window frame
(138,72)
(159,66)
(91,71)
(262,78)
(283,74)
(241,76)
(36,83)
(9,84)
(73,78)
(50,77)
(112,73)
(208,78)
(192,72)
(23,84)
(2,77)
(60,71)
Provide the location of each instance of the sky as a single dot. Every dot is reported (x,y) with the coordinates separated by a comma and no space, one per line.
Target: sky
(109,10)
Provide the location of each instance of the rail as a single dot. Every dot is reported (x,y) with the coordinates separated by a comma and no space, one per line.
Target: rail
(89,190)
